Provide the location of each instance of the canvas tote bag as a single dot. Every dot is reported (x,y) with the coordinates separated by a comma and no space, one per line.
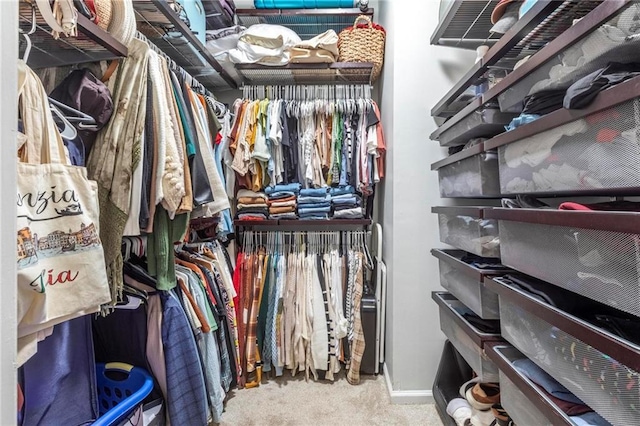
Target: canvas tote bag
(61,267)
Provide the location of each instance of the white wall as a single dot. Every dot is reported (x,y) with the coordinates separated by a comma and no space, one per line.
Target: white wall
(8,114)
(416,76)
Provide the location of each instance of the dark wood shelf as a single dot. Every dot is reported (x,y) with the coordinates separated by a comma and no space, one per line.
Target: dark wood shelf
(616,347)
(459,116)
(626,222)
(92,43)
(471,211)
(193,56)
(459,156)
(307,23)
(503,355)
(477,336)
(336,73)
(303,225)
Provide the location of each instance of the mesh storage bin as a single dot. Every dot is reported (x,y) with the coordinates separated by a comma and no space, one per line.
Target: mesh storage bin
(607,386)
(468,340)
(524,401)
(466,283)
(475,176)
(481,123)
(601,265)
(464,228)
(615,41)
(520,409)
(598,152)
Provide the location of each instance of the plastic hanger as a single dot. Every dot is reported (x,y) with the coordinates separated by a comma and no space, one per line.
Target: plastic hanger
(27,35)
(67,131)
(72,115)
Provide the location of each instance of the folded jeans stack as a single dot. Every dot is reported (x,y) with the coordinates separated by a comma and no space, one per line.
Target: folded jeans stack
(282,201)
(252,205)
(346,203)
(314,204)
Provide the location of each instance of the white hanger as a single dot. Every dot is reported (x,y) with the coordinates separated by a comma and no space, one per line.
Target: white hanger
(26,35)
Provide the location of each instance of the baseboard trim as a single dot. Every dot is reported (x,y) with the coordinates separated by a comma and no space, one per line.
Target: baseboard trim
(408,397)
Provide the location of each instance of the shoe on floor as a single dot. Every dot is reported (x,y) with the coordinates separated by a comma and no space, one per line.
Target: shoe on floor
(460,411)
(501,416)
(482,418)
(483,396)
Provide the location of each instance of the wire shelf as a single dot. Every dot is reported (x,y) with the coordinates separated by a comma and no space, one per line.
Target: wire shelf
(538,27)
(162,26)
(550,28)
(307,23)
(92,43)
(336,73)
(467,24)
(217,16)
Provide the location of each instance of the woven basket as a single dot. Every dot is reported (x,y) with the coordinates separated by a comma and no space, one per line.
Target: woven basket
(364,43)
(103,12)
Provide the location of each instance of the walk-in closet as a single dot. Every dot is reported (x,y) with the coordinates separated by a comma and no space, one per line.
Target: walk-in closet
(309,212)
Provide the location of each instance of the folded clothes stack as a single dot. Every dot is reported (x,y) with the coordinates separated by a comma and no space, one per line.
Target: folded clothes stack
(252,205)
(282,201)
(346,203)
(314,204)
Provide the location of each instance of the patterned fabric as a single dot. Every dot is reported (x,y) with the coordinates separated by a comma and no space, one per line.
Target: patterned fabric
(357,343)
(278,320)
(324,270)
(270,350)
(292,312)
(254,369)
(229,368)
(187,400)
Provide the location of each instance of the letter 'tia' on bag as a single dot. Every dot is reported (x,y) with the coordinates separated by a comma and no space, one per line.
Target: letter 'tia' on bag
(61,268)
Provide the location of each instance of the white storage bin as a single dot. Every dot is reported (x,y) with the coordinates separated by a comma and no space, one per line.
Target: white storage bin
(478,123)
(525,402)
(600,152)
(601,382)
(467,340)
(466,229)
(472,172)
(519,407)
(560,247)
(466,283)
(614,41)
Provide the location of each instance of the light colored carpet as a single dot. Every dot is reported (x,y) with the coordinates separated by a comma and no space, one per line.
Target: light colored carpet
(294,402)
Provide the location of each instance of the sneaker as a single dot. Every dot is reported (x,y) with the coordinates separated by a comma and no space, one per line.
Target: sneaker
(460,411)
(482,418)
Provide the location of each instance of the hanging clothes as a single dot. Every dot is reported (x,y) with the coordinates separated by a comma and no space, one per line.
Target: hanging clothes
(315,143)
(116,154)
(293,296)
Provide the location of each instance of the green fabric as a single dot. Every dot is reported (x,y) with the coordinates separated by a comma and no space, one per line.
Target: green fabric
(208,310)
(160,253)
(112,224)
(188,136)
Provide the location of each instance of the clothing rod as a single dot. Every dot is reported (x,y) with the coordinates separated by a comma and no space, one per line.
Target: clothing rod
(194,81)
(278,238)
(308,92)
